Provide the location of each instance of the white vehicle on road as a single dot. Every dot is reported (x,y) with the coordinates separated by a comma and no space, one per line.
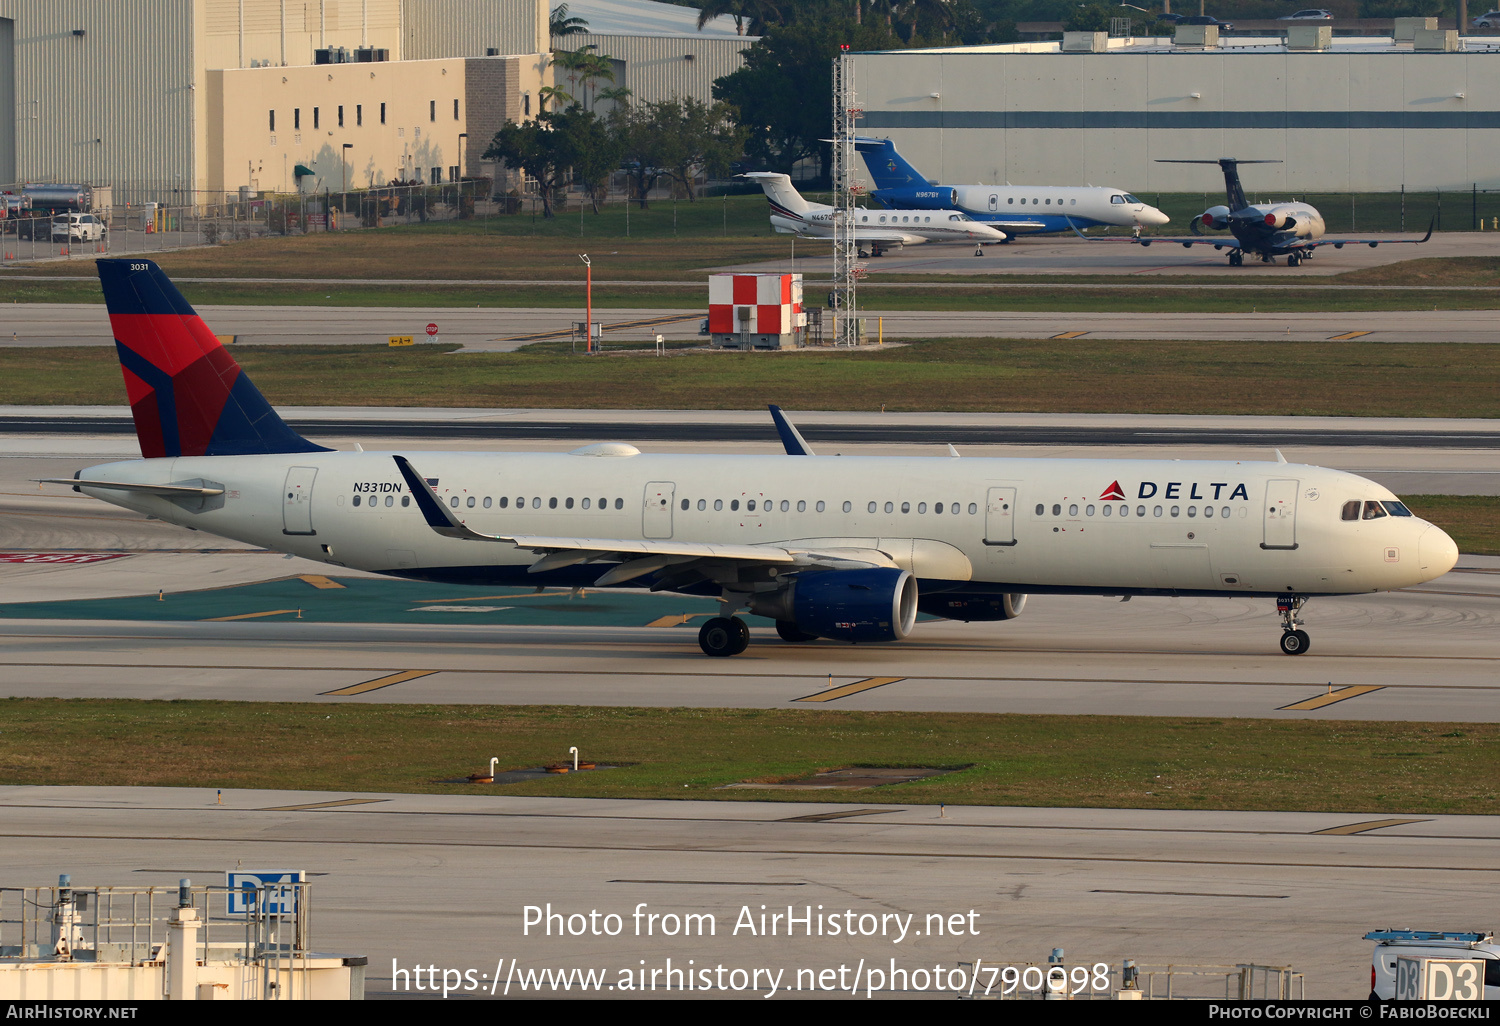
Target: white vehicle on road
(77,228)
(1393,944)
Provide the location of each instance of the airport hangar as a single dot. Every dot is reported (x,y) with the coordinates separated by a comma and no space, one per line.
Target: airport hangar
(1346,115)
(189,101)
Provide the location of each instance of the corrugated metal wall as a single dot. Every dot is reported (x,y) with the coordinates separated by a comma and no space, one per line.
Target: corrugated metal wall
(467,28)
(657,67)
(112,106)
(7,101)
(1353,121)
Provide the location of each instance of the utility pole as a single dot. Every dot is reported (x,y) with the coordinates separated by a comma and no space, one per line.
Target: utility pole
(846,267)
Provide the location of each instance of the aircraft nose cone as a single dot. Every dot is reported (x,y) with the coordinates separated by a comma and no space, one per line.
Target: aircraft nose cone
(1152,217)
(1436,552)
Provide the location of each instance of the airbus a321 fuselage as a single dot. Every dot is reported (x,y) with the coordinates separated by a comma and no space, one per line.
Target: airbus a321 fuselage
(844,548)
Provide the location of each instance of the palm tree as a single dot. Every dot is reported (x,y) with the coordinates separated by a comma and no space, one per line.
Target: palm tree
(551,93)
(559,24)
(757,15)
(596,67)
(618,95)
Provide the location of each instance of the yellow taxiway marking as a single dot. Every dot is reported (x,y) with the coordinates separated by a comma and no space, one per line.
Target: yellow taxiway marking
(675,619)
(1341,695)
(1071,334)
(1367,826)
(1348,335)
(554,593)
(844,691)
(324,805)
(380,682)
(319,581)
(249,616)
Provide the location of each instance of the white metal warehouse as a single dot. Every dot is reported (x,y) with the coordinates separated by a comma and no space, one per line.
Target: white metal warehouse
(1362,115)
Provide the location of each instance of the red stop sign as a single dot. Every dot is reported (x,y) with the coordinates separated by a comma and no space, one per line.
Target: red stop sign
(432,329)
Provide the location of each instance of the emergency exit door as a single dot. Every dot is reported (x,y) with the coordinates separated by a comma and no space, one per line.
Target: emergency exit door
(296,502)
(1280,513)
(656,518)
(1000,517)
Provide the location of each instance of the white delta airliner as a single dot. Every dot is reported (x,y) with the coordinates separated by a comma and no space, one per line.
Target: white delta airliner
(848,548)
(875,231)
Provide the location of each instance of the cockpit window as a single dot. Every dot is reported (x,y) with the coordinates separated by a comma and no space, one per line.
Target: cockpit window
(1117,198)
(1130,199)
(1396,509)
(1373,510)
(1350,510)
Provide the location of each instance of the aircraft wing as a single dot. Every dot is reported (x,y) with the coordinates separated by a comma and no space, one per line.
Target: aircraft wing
(1013,224)
(1372,243)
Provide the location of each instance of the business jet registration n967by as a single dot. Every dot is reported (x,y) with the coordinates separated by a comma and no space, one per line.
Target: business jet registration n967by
(847,548)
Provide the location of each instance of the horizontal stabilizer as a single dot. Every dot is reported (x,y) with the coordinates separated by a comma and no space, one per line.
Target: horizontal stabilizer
(132,486)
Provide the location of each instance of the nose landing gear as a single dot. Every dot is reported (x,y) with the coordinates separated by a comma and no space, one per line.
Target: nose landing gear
(1294,641)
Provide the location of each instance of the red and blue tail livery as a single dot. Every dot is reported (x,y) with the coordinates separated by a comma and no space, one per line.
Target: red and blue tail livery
(188,396)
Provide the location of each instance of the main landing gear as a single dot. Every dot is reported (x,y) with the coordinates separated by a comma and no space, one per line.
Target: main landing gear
(1294,641)
(723,636)
(1236,258)
(1293,259)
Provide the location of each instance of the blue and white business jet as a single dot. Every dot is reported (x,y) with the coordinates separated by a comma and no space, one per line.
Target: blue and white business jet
(1018,209)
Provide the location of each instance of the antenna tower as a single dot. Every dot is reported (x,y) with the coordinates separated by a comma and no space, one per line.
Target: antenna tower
(846,268)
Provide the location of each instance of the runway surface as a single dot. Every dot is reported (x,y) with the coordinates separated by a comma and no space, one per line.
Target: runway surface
(444,880)
(1056,255)
(507,329)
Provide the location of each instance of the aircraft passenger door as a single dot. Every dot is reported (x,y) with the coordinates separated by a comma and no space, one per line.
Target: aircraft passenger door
(296,503)
(1280,515)
(1000,517)
(656,518)
(994,202)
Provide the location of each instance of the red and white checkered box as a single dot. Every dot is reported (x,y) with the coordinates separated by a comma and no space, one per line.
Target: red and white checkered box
(774,302)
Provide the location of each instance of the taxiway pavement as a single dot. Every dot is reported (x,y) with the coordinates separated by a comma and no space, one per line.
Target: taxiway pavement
(505,329)
(444,880)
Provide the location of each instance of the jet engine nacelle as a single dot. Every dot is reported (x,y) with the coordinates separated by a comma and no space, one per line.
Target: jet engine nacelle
(1216,218)
(879,604)
(971,608)
(928,197)
(1280,219)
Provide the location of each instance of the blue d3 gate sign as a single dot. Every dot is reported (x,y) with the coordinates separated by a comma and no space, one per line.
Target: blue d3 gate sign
(246,885)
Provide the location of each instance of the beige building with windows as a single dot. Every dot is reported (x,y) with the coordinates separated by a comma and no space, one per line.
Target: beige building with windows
(190,101)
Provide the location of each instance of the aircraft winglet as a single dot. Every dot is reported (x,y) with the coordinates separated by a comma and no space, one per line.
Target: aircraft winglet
(791,438)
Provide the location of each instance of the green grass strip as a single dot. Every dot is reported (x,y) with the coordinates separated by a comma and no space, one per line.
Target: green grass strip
(1051,761)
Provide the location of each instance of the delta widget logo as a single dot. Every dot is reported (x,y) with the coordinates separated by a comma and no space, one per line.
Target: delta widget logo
(1113,492)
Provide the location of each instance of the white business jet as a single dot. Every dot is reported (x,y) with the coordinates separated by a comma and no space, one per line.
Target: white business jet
(875,231)
(845,548)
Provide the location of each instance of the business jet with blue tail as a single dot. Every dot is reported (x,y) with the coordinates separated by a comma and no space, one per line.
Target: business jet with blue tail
(875,231)
(1268,230)
(842,548)
(1018,209)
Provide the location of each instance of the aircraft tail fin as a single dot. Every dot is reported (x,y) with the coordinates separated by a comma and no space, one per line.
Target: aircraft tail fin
(187,395)
(1234,193)
(780,191)
(888,169)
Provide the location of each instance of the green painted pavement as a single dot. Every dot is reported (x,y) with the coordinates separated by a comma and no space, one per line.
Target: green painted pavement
(363,600)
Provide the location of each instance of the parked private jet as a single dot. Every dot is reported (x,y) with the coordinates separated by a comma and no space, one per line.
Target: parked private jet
(847,548)
(875,230)
(1267,230)
(1018,209)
